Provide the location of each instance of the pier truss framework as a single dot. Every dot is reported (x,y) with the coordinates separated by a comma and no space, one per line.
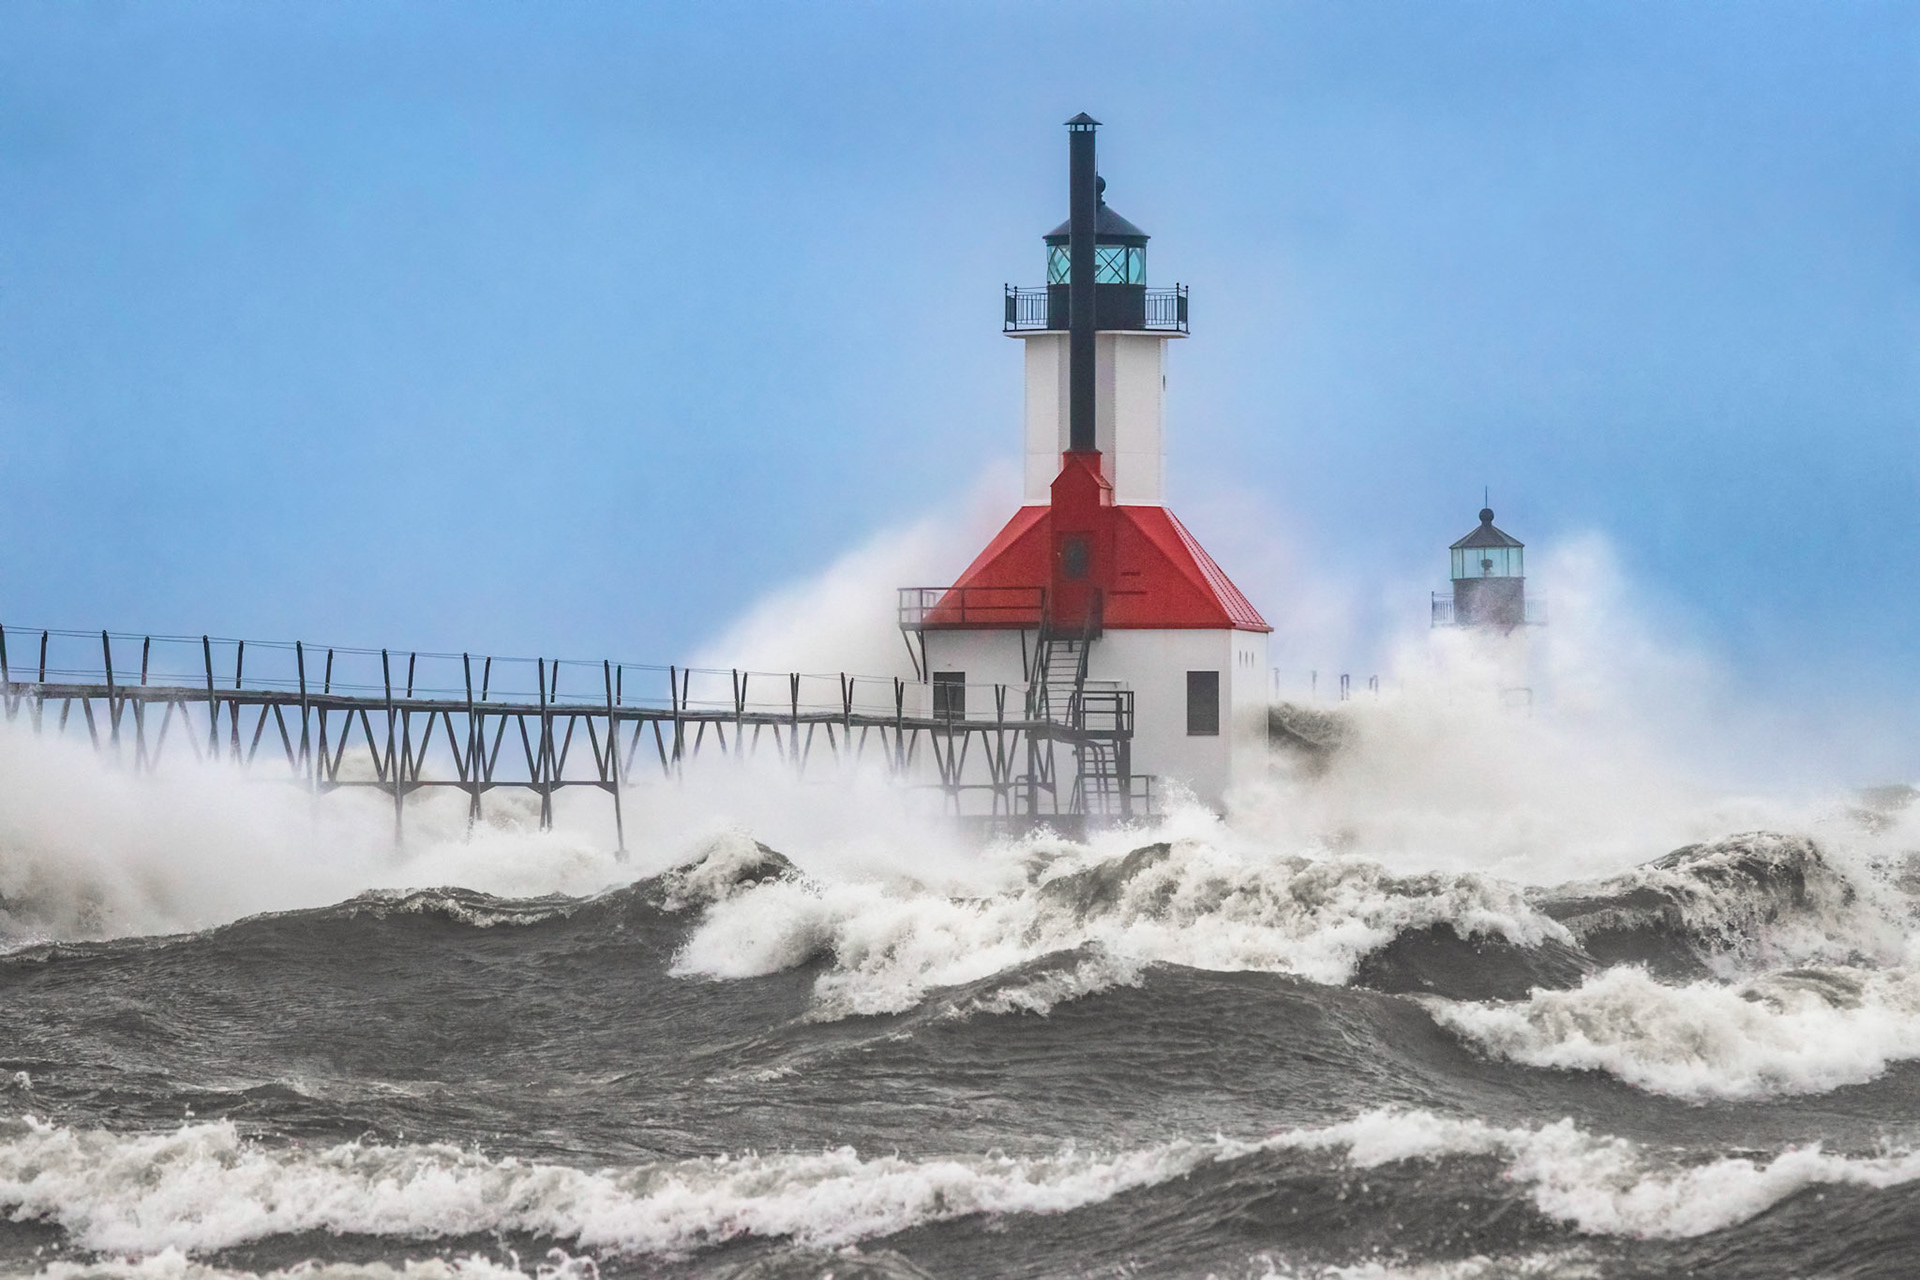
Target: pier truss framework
(330,718)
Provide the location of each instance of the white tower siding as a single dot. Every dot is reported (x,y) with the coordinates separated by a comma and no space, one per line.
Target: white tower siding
(1154,665)
(1129,414)
(988,658)
(1046,434)
(1134,366)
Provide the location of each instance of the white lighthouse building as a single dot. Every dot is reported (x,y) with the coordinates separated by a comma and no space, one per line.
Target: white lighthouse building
(1094,598)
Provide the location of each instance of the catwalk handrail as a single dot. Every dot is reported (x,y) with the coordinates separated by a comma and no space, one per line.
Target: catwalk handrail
(232,669)
(313,707)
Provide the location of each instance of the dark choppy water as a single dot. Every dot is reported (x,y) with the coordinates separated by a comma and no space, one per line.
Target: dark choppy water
(1176,1062)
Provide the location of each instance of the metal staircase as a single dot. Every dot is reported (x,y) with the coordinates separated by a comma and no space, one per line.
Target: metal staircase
(1099,716)
(1100,785)
(1059,676)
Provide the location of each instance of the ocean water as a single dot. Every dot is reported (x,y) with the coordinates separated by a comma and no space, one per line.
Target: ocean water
(237,1038)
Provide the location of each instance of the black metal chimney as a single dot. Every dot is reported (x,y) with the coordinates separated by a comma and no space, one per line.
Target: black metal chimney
(1084,178)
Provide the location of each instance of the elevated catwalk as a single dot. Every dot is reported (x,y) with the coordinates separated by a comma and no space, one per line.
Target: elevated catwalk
(334,718)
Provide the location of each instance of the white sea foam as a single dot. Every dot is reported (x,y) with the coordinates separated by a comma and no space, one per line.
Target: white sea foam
(202,1187)
(1199,905)
(1796,1032)
(88,850)
(1559,1265)
(173,1264)
(1605,1185)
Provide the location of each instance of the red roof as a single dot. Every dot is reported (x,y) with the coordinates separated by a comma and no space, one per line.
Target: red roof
(1150,571)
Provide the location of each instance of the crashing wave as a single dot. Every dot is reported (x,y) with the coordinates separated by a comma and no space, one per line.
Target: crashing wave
(454,905)
(1183,902)
(1794,1032)
(1749,900)
(202,1187)
(727,866)
(1758,899)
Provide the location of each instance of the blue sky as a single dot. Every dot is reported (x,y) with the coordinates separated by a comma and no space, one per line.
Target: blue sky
(577,328)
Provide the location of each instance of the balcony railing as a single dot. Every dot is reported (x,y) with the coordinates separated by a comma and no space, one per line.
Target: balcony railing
(1167,309)
(1123,307)
(1102,710)
(1026,309)
(1535,606)
(923,607)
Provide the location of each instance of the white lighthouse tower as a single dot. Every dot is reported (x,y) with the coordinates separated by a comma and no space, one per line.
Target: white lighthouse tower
(1094,588)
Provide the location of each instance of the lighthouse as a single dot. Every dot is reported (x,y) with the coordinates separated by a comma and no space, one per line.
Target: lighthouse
(1094,598)
(1489,588)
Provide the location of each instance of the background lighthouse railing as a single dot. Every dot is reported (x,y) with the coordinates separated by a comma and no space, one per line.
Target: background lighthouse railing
(1535,608)
(339,717)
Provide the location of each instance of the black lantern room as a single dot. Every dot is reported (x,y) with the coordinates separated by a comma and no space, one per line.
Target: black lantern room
(1489,578)
(1121,301)
(1119,276)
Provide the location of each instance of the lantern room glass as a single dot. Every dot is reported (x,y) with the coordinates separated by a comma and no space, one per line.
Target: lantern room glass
(1112,264)
(1488,562)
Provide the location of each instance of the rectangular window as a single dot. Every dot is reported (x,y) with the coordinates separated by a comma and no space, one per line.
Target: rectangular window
(1203,704)
(949,695)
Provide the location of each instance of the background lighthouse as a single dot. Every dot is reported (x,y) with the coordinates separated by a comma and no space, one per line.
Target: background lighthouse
(1489,575)
(1094,589)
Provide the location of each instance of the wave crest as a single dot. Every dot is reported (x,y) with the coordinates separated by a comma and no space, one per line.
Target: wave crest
(1183,902)
(1795,1032)
(202,1187)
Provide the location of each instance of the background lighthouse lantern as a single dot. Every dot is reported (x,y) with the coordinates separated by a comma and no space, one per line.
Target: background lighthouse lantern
(1489,577)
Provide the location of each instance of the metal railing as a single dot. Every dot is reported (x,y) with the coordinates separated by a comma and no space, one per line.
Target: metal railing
(1102,711)
(1026,310)
(1535,614)
(923,607)
(1167,309)
(1034,310)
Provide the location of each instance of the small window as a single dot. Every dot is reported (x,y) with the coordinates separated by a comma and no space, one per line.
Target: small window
(1203,704)
(1076,558)
(949,695)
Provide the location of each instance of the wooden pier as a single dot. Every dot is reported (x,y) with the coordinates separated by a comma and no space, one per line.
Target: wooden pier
(329,718)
